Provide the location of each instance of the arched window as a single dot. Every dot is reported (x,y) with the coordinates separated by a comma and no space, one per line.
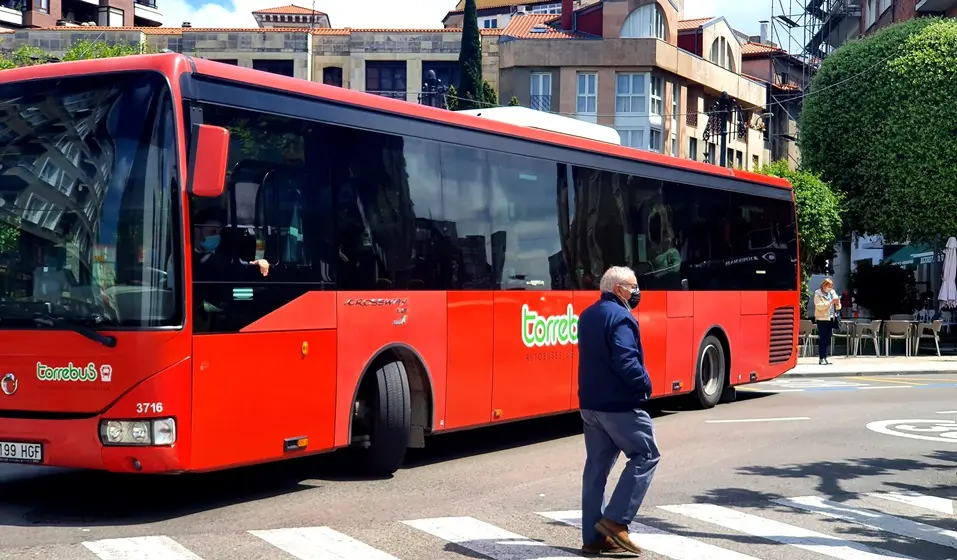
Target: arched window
(646,21)
(721,54)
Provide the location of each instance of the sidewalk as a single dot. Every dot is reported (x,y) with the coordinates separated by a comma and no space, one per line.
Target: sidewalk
(872,365)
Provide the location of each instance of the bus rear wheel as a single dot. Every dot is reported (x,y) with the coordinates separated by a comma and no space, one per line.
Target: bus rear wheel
(711,372)
(381,421)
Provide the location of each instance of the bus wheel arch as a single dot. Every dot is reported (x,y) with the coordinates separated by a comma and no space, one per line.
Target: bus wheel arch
(393,399)
(712,370)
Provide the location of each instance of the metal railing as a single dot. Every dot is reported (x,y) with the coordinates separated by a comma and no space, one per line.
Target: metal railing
(541,102)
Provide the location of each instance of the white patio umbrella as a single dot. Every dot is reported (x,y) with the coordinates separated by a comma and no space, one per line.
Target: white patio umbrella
(948,287)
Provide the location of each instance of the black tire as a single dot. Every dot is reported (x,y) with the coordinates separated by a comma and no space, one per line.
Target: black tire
(390,404)
(710,372)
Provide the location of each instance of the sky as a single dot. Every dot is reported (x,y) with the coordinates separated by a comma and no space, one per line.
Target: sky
(743,14)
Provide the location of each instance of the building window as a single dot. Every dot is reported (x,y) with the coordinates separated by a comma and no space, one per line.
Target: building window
(587,93)
(541,91)
(281,67)
(674,144)
(446,72)
(755,162)
(654,143)
(332,75)
(547,9)
(721,54)
(490,23)
(657,107)
(630,94)
(646,21)
(44,6)
(693,149)
(386,79)
(632,137)
(739,160)
(871,15)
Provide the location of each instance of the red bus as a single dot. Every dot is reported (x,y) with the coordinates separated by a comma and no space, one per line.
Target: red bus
(407,247)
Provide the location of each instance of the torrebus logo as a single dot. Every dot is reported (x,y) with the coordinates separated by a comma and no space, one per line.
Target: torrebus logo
(68,372)
(549,331)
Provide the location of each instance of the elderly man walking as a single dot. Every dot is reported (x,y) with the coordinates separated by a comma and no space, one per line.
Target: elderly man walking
(612,387)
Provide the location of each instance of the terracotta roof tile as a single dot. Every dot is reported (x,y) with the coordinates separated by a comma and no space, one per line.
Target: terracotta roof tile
(290,9)
(758,48)
(688,24)
(535,26)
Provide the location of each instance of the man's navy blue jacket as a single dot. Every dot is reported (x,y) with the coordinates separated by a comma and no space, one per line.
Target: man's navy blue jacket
(611,363)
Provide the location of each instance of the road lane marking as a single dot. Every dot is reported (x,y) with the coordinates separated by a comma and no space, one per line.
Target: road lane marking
(947,412)
(888,387)
(658,541)
(486,539)
(140,548)
(945,430)
(320,543)
(882,380)
(769,390)
(923,501)
(788,419)
(783,533)
(873,519)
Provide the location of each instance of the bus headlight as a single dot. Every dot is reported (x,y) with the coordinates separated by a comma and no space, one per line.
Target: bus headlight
(159,431)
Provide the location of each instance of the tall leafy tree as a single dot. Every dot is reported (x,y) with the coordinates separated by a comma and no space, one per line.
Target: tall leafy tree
(470,88)
(818,213)
(878,125)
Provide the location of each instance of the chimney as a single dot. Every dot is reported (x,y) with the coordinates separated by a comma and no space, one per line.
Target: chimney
(187,24)
(567,10)
(764,33)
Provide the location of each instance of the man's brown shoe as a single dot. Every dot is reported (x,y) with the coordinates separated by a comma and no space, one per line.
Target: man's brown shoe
(602,546)
(618,534)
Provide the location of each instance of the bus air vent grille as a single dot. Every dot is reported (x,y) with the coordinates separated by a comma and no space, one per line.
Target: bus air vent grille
(782,335)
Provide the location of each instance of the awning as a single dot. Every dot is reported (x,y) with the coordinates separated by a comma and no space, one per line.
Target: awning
(905,255)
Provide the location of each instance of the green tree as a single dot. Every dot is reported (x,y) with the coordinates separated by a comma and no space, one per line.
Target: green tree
(24,55)
(513,102)
(452,99)
(818,213)
(470,88)
(878,126)
(86,49)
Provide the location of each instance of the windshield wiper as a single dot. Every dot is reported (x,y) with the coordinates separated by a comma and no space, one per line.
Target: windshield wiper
(61,322)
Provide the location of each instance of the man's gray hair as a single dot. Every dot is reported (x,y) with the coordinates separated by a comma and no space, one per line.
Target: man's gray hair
(614,276)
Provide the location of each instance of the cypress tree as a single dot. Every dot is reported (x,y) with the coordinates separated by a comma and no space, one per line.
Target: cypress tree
(470,60)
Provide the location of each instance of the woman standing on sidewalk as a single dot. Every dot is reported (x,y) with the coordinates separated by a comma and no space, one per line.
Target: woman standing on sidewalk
(827,307)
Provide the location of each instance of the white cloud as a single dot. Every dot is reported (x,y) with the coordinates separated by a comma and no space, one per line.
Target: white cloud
(744,15)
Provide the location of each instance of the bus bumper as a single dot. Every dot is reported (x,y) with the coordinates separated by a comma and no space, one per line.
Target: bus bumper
(79,442)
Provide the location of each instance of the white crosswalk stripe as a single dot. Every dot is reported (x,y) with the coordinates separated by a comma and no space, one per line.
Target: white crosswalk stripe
(475,538)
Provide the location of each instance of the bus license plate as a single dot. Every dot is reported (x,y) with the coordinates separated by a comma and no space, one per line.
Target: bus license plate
(19,452)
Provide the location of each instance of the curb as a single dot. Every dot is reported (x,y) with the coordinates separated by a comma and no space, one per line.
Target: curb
(884,373)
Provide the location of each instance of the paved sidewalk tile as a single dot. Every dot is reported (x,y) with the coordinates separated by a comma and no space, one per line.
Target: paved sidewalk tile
(872,365)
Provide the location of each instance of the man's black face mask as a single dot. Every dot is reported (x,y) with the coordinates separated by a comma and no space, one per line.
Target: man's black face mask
(634,299)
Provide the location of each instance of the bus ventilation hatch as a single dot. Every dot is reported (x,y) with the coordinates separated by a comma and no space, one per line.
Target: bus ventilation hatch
(782,335)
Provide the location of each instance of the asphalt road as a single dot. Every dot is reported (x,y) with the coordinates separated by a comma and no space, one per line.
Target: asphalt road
(721,492)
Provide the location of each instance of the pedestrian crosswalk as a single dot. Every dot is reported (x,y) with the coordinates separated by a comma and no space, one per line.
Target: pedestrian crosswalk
(866,526)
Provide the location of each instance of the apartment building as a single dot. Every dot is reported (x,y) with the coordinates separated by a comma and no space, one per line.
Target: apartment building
(495,14)
(21,14)
(638,66)
(299,42)
(836,22)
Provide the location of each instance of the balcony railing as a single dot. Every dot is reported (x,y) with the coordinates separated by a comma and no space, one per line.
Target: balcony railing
(541,102)
(390,93)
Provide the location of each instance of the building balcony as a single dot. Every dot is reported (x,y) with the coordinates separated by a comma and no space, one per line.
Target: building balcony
(10,13)
(147,10)
(935,6)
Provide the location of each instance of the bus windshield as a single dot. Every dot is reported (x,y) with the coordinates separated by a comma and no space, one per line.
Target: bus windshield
(88,204)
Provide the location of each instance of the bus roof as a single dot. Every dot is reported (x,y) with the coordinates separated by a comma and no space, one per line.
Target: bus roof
(542,120)
(174,65)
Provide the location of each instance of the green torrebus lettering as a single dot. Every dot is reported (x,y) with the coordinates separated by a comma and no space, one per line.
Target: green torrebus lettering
(68,372)
(549,331)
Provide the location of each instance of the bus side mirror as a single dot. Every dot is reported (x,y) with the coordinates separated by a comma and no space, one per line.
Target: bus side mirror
(207,162)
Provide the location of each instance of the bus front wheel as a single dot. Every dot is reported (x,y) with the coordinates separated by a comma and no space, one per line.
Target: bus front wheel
(710,373)
(382,420)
